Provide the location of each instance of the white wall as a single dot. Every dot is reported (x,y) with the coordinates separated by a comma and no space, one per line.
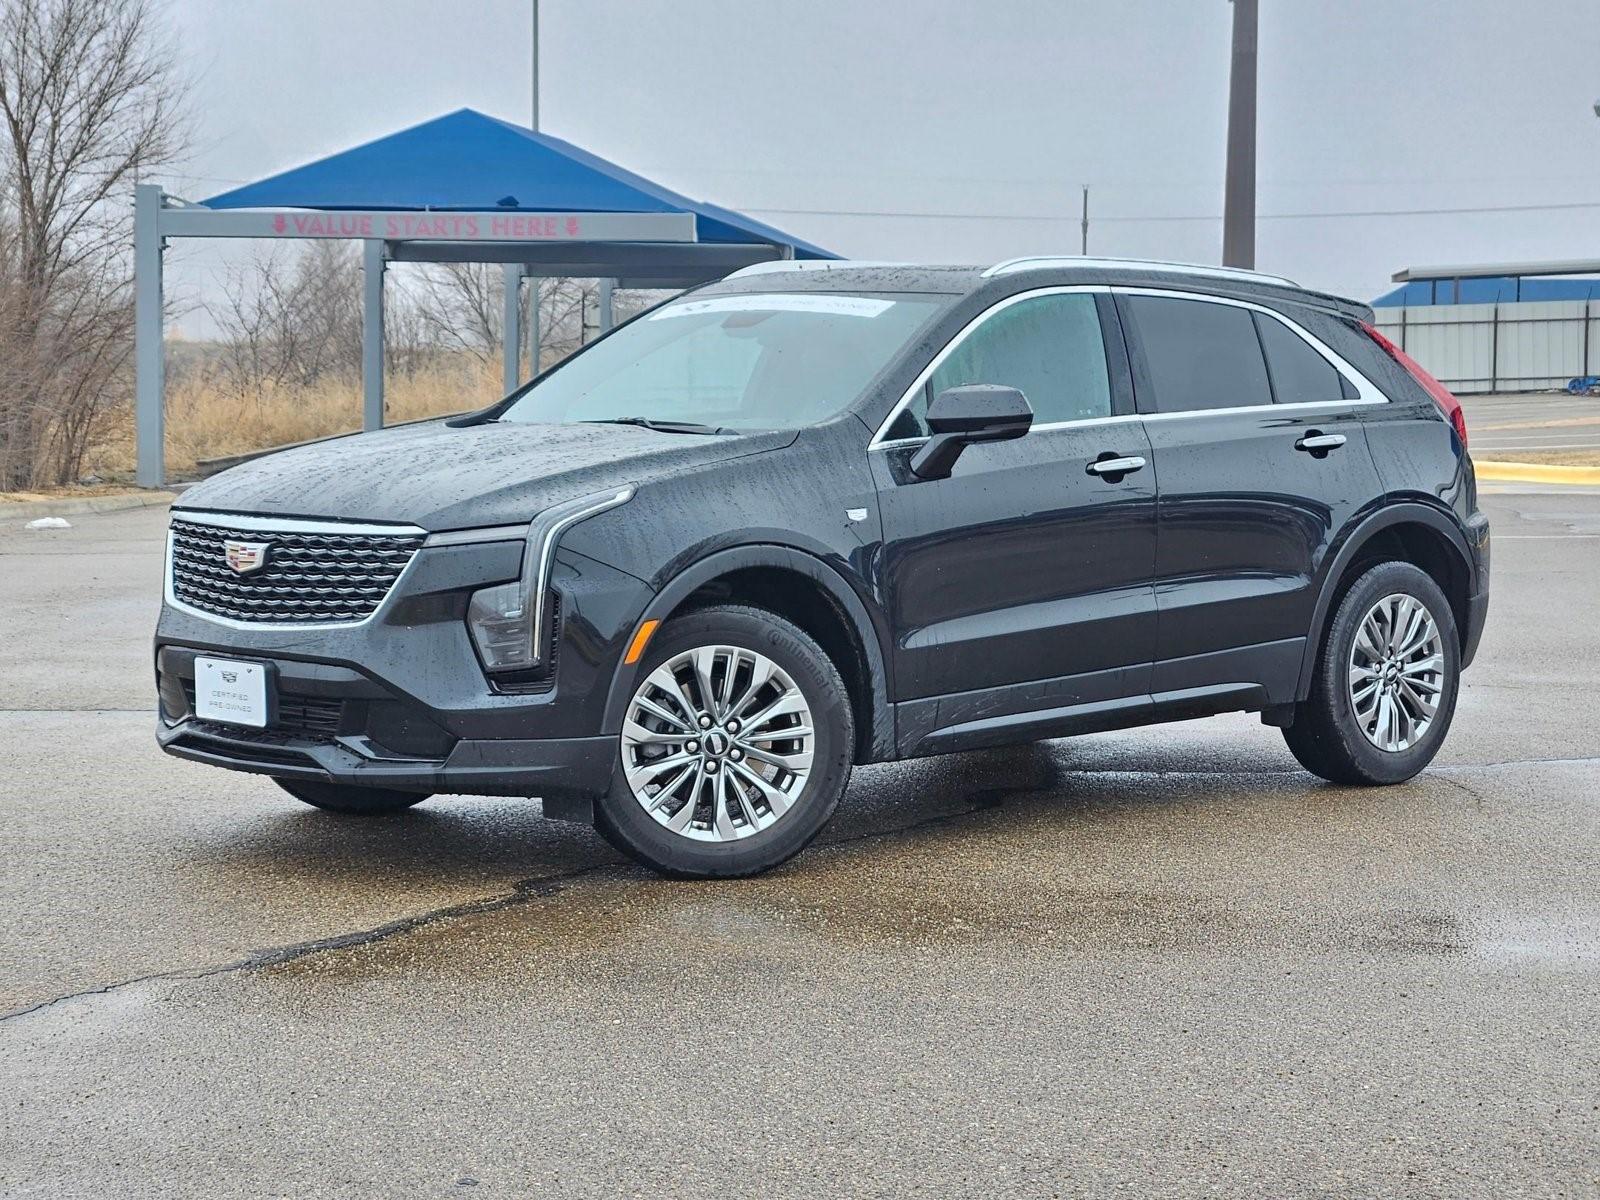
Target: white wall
(1522,347)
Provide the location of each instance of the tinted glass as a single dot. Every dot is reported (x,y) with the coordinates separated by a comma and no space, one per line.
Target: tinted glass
(1299,374)
(775,361)
(1049,347)
(1200,355)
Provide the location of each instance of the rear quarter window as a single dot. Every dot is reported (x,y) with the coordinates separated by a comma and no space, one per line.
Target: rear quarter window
(1299,374)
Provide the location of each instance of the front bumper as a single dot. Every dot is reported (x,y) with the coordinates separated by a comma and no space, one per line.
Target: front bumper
(401,701)
(566,773)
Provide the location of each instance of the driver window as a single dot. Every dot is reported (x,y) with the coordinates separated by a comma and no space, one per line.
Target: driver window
(1050,347)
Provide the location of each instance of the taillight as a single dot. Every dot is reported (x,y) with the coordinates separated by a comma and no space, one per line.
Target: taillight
(1448,404)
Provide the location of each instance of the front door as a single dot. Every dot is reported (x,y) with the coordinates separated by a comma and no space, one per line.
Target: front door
(1024,565)
(1262,455)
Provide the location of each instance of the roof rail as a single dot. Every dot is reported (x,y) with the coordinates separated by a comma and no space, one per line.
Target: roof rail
(777,265)
(1012,265)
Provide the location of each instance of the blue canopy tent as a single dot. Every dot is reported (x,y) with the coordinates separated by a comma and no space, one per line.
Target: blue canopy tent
(464,187)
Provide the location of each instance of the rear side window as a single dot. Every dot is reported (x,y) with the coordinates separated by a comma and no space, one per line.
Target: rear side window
(1299,374)
(1199,355)
(1048,347)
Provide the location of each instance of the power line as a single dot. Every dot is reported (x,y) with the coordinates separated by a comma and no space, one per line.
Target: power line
(1290,216)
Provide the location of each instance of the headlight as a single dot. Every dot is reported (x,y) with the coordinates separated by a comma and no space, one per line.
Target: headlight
(509,622)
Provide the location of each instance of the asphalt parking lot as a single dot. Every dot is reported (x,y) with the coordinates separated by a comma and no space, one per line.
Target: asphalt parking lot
(1160,963)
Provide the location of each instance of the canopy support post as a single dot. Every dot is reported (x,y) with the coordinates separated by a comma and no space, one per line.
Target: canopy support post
(149,355)
(607,311)
(372,334)
(511,328)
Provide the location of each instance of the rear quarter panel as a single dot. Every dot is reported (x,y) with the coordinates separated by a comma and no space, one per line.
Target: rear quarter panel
(1416,452)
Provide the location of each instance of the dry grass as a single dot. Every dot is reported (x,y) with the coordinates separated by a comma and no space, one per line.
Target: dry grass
(207,420)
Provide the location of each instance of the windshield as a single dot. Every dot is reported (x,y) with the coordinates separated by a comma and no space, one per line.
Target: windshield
(743,362)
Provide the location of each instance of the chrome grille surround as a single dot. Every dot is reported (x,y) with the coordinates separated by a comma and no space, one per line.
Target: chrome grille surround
(318,574)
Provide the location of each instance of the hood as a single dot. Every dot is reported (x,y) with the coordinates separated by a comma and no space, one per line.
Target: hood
(438,477)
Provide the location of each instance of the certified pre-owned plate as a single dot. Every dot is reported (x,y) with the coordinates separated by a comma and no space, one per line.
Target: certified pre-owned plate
(232,692)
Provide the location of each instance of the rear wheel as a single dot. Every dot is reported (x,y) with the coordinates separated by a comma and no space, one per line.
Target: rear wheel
(1386,681)
(342,798)
(735,748)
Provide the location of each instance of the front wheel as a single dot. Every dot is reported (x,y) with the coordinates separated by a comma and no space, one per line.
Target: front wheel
(735,748)
(342,798)
(1386,681)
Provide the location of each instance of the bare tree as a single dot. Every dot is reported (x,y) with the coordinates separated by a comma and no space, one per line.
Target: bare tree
(460,306)
(292,323)
(90,96)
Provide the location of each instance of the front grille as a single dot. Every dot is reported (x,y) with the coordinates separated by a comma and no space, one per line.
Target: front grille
(309,578)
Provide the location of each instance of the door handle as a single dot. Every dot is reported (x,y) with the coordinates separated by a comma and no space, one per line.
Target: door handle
(1320,443)
(1125,465)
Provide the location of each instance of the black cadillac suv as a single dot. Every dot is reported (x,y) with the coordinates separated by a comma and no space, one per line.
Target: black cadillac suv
(816,515)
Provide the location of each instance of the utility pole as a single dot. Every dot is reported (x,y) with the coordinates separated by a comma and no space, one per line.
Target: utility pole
(534,60)
(515,273)
(1239,191)
(1083,247)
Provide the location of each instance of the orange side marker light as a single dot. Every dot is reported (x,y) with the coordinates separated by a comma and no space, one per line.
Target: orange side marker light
(641,639)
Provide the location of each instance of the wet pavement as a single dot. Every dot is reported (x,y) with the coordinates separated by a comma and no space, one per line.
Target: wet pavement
(1510,427)
(1165,962)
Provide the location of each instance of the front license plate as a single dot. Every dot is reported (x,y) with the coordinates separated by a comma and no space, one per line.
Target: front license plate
(232,692)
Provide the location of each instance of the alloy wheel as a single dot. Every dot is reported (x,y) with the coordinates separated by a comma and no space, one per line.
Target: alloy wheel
(717,743)
(1396,676)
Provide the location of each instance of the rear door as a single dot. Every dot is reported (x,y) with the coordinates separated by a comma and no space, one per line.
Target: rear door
(1262,458)
(1024,565)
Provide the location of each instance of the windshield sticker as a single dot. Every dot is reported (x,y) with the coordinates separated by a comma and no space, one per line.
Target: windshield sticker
(842,306)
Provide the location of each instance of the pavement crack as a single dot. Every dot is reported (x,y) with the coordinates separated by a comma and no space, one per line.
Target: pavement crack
(1477,796)
(1574,761)
(524,891)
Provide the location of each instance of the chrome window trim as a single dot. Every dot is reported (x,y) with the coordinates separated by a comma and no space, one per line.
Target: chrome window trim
(1369,394)
(879,442)
(290,524)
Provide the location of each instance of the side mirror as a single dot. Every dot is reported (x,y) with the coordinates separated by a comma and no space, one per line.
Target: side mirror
(960,416)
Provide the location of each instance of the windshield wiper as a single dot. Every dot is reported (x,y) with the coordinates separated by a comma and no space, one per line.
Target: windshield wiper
(661,426)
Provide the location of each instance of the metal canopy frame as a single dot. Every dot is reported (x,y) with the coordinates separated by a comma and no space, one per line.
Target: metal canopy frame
(642,250)
(1569,266)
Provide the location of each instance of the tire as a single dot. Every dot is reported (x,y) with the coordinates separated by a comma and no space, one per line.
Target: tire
(1329,735)
(702,815)
(343,798)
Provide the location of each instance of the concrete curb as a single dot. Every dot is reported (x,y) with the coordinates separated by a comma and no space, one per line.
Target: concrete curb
(66,507)
(1515,472)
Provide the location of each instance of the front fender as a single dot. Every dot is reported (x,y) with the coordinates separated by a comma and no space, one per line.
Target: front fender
(870,633)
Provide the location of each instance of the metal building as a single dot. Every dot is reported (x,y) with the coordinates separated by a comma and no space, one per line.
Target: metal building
(1498,327)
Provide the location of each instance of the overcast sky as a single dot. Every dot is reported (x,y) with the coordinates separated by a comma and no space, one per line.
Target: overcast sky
(843,120)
